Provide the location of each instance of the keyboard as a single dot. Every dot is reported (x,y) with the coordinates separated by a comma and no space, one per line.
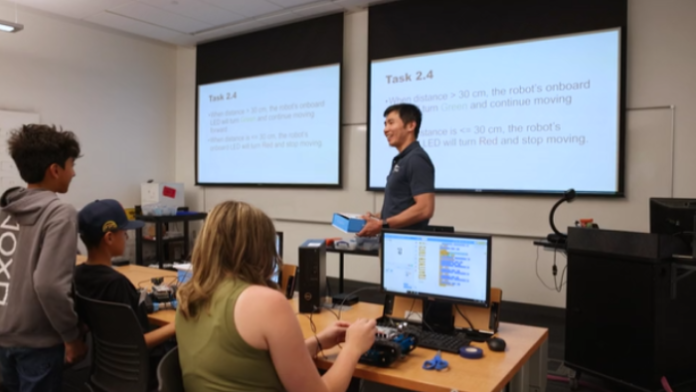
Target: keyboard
(442,342)
(432,340)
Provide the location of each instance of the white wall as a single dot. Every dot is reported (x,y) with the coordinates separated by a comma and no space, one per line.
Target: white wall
(661,60)
(116,92)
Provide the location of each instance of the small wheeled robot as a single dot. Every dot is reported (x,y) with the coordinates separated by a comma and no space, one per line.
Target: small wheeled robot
(391,344)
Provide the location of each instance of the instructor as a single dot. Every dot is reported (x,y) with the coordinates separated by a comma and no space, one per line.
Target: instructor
(409,198)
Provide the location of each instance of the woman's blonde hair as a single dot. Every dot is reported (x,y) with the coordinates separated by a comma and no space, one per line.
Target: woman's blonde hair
(237,242)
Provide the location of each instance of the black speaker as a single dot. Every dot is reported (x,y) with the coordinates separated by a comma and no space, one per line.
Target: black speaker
(312,275)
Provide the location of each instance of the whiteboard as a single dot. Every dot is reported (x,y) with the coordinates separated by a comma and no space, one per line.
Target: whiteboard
(9,176)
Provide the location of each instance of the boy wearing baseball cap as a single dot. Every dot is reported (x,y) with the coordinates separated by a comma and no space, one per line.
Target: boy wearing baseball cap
(103,229)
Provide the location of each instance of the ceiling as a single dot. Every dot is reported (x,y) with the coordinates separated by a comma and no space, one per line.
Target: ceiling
(188,22)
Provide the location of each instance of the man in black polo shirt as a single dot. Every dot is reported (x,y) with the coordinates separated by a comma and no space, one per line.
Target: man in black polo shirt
(409,198)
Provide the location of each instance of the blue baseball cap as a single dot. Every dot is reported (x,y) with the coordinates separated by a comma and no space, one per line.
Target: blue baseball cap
(102,216)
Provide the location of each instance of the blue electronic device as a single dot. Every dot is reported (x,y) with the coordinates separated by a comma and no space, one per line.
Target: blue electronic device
(390,345)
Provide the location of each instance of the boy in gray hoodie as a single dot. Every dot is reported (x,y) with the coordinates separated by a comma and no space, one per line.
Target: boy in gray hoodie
(38,243)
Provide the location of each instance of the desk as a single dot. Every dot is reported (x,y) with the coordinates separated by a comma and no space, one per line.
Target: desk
(341,252)
(523,364)
(140,276)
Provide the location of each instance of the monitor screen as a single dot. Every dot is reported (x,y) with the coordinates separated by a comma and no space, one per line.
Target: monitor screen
(526,102)
(276,129)
(450,266)
(279,249)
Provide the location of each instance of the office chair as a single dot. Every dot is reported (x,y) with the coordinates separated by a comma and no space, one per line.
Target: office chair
(169,373)
(120,361)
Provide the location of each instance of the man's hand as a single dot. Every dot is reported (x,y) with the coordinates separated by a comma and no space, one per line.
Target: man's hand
(333,335)
(372,228)
(75,351)
(368,215)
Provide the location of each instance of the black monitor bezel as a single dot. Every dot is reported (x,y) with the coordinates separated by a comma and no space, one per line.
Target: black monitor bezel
(683,206)
(454,300)
(279,239)
(279,235)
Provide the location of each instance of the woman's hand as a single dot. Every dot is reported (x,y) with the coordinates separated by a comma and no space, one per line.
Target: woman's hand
(333,335)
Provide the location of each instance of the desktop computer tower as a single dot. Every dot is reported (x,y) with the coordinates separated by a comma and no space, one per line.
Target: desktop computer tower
(312,257)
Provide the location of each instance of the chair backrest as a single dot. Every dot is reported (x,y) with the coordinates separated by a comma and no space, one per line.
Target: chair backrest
(442,229)
(169,373)
(120,361)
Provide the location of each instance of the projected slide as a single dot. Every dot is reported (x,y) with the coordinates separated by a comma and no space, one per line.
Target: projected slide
(280,129)
(533,116)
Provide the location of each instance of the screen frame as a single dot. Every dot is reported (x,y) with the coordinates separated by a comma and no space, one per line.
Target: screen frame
(666,207)
(617,20)
(279,237)
(337,185)
(279,249)
(427,296)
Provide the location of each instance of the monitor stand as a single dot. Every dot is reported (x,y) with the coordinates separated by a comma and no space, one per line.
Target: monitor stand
(438,316)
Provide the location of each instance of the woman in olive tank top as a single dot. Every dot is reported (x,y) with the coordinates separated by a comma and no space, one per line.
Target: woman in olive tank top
(236,331)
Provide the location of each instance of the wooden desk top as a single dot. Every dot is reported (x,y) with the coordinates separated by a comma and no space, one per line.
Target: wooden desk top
(488,374)
(140,277)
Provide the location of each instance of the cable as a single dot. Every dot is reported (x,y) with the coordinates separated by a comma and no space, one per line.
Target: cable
(471,326)
(536,263)
(334,313)
(141,283)
(555,271)
(354,292)
(559,288)
(410,311)
(425,313)
(562,275)
(328,287)
(313,327)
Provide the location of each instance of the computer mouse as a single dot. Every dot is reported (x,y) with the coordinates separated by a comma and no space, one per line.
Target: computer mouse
(496,344)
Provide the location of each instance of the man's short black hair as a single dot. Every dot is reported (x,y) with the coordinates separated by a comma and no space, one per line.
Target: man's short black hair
(407,113)
(35,147)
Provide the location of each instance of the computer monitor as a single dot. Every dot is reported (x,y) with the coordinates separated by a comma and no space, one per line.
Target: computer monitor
(279,249)
(454,267)
(672,216)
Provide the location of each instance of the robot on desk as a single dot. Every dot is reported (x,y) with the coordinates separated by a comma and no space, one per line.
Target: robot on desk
(161,297)
(391,344)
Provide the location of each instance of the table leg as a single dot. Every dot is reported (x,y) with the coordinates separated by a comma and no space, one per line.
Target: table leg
(159,243)
(340,273)
(185,256)
(139,246)
(532,376)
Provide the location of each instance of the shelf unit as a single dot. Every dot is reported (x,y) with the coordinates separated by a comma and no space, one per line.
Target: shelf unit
(159,242)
